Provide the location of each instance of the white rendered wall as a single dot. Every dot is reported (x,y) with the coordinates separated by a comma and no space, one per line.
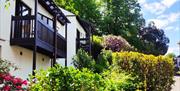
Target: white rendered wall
(0,15)
(71,37)
(12,53)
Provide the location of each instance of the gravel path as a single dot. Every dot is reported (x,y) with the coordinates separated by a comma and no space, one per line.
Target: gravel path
(176,86)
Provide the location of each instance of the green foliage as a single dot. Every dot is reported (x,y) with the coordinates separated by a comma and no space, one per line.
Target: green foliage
(104,61)
(67,4)
(121,81)
(69,79)
(86,9)
(171,55)
(6,66)
(156,73)
(122,17)
(96,46)
(83,60)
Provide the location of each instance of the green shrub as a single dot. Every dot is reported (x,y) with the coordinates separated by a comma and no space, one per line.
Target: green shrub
(83,60)
(121,81)
(6,66)
(69,79)
(103,61)
(156,73)
(96,46)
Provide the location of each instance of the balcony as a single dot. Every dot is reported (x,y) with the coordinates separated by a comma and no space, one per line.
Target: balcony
(22,34)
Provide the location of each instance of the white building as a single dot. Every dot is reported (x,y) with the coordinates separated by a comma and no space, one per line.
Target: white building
(28,37)
(77,31)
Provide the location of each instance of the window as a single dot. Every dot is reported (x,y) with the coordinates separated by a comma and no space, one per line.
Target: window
(22,9)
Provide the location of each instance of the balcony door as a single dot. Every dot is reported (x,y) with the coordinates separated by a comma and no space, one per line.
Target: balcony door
(23,27)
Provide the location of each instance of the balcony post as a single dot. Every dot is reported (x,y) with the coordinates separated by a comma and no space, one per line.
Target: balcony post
(66,44)
(90,47)
(55,40)
(35,37)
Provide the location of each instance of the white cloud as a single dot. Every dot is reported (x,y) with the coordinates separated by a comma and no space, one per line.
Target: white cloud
(177,29)
(168,3)
(166,19)
(172,28)
(141,1)
(159,23)
(169,28)
(157,7)
(173,50)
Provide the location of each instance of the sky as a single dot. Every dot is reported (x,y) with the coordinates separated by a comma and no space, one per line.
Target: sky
(166,15)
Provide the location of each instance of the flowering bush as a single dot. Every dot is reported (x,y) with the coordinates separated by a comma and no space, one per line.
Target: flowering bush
(7,81)
(116,43)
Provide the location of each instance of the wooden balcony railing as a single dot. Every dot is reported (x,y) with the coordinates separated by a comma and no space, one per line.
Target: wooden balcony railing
(22,33)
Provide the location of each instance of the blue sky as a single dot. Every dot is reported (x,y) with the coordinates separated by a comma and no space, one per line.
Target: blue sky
(166,15)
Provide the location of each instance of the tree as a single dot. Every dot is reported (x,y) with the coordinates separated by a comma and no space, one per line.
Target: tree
(122,17)
(155,40)
(88,10)
(171,55)
(67,4)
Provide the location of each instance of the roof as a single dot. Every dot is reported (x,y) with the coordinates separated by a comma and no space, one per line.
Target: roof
(53,9)
(66,12)
(87,26)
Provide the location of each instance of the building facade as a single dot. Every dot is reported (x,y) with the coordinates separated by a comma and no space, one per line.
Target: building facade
(78,36)
(35,34)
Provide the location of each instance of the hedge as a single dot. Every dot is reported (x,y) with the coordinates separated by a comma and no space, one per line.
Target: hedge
(61,78)
(156,73)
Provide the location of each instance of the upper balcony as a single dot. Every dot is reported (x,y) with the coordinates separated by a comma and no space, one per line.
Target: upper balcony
(22,34)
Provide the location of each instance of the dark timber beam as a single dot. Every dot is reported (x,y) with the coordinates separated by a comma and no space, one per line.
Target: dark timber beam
(55,40)
(35,36)
(66,44)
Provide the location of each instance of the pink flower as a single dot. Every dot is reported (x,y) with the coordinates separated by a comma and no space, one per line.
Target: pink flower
(15,81)
(18,87)
(2,75)
(25,82)
(6,88)
(8,77)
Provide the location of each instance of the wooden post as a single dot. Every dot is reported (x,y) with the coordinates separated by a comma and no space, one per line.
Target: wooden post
(35,37)
(55,40)
(90,41)
(66,44)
